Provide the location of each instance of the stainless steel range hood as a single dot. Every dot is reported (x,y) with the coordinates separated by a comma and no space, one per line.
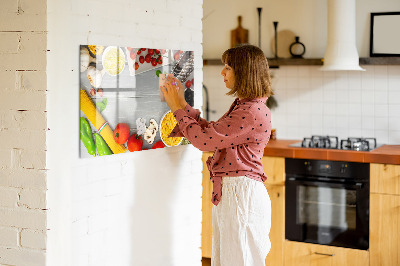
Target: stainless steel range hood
(341,51)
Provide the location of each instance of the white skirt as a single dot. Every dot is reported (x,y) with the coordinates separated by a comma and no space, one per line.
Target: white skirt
(241,223)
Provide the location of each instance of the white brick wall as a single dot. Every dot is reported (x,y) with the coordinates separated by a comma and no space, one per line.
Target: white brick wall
(102,206)
(141,208)
(23,132)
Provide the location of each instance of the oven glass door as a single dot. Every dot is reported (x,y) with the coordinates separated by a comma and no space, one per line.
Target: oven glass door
(326,213)
(326,207)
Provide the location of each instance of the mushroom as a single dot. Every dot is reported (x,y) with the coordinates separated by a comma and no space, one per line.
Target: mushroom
(151,131)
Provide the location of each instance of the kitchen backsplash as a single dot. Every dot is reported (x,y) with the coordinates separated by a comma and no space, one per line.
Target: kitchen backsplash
(314,102)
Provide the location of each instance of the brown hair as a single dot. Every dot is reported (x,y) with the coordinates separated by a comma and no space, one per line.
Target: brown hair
(250,66)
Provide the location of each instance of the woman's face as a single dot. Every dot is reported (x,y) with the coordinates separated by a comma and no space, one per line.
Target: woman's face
(229,76)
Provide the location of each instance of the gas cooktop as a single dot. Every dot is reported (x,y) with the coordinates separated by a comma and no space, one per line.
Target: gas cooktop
(332,142)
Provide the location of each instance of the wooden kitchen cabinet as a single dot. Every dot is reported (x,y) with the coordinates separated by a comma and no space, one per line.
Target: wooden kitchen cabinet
(385,178)
(305,254)
(384,236)
(206,232)
(274,168)
(277,233)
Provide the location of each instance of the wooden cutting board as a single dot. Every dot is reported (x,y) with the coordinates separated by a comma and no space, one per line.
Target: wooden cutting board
(239,35)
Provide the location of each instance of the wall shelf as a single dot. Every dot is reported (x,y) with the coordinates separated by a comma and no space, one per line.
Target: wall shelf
(274,63)
(380,61)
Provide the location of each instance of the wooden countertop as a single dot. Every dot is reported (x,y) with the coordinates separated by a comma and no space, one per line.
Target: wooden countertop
(389,154)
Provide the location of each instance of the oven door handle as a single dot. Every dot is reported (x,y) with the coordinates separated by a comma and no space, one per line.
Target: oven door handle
(357,185)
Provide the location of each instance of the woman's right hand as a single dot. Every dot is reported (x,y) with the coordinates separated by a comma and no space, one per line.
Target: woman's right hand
(181,91)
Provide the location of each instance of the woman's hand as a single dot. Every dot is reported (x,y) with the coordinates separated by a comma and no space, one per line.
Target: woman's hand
(175,98)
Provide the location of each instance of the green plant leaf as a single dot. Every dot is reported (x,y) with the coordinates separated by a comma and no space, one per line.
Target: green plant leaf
(102,105)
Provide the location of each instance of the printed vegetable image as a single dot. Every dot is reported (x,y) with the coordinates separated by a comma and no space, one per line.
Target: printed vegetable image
(121,133)
(96,49)
(151,131)
(168,123)
(101,145)
(188,84)
(113,60)
(122,106)
(158,144)
(86,136)
(95,117)
(135,143)
(102,105)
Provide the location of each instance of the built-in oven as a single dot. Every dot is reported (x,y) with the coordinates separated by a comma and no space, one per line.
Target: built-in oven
(327,202)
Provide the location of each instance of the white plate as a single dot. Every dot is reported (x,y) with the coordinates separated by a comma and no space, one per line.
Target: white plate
(161,135)
(121,53)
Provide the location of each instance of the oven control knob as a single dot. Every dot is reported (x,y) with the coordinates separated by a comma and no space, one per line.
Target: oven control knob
(308,166)
(343,168)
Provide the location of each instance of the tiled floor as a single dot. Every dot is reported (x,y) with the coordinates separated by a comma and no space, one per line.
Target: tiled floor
(206,261)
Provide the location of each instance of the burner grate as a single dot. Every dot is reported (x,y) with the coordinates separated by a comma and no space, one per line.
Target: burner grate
(327,142)
(332,142)
(358,144)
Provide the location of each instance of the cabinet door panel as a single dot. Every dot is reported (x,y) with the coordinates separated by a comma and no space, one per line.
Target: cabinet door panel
(274,168)
(384,230)
(385,178)
(206,233)
(277,233)
(297,253)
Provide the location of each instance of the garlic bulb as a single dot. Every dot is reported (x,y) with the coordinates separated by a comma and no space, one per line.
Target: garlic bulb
(95,76)
(141,126)
(86,59)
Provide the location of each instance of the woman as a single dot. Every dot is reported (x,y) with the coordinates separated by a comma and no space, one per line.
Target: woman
(242,208)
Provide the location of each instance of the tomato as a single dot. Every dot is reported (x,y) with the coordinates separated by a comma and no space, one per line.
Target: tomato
(147,58)
(162,51)
(188,84)
(133,55)
(159,60)
(121,133)
(143,49)
(158,144)
(193,82)
(136,66)
(153,62)
(157,51)
(141,59)
(135,143)
(176,56)
(139,52)
(151,51)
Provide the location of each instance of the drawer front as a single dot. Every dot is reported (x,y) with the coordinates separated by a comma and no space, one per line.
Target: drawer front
(297,253)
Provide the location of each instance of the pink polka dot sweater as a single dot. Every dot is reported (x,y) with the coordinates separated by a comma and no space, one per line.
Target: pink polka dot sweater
(238,139)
